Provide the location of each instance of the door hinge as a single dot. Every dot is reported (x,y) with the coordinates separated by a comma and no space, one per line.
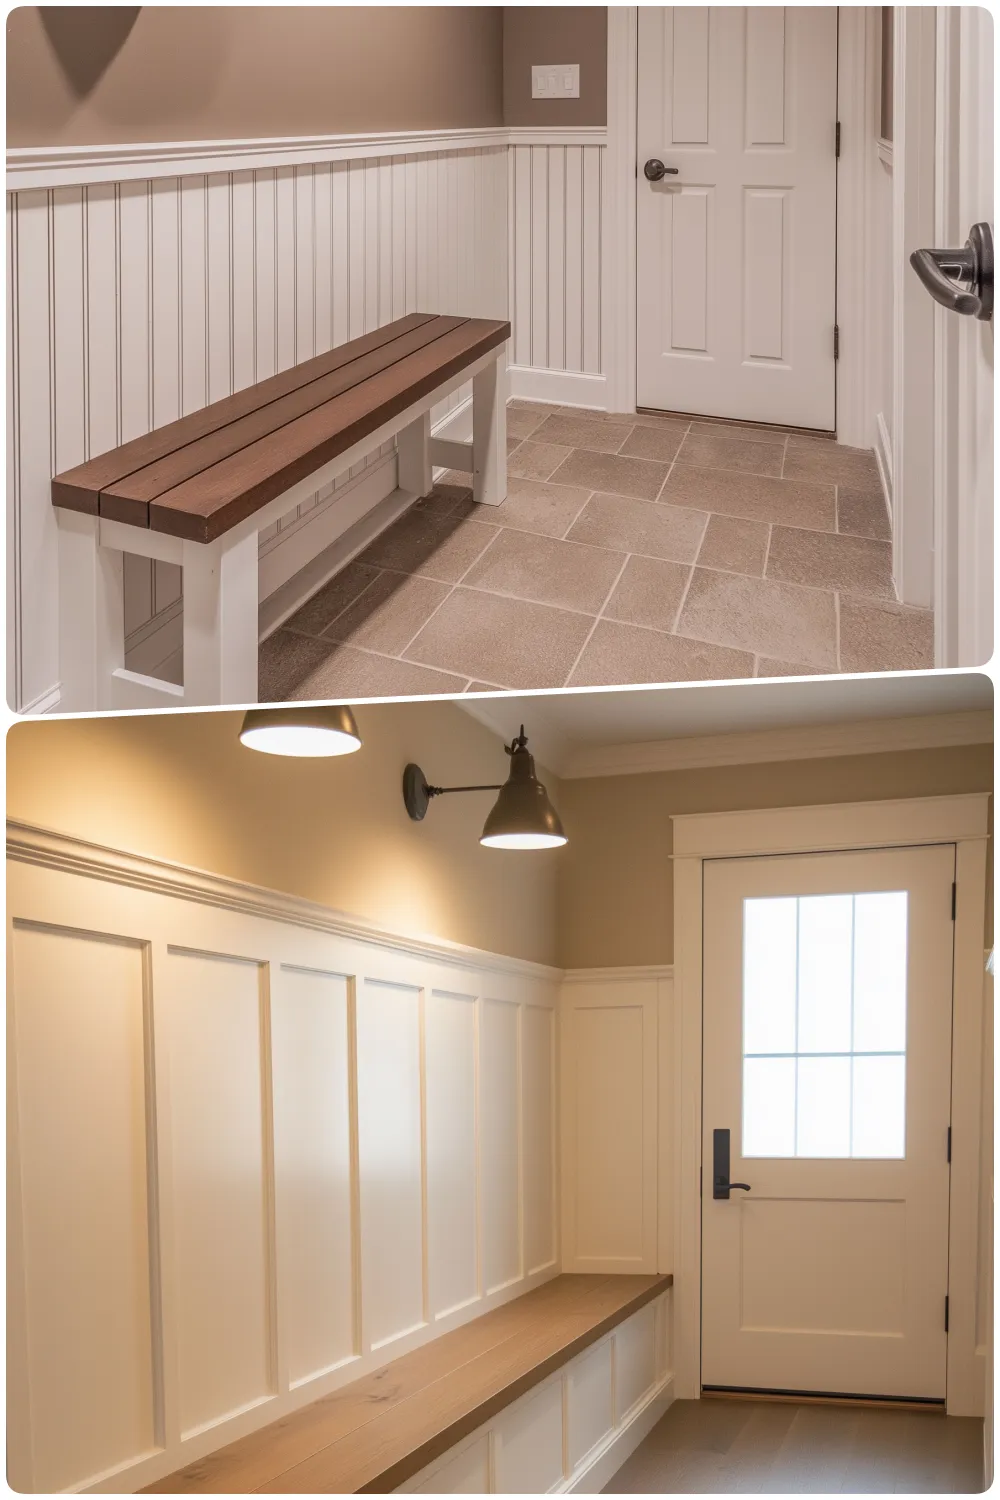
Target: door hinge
(837,149)
(836,340)
(946,1314)
(954,899)
(949,1144)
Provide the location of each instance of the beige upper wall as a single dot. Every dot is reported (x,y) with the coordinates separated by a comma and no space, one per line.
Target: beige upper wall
(616,880)
(181,787)
(555,34)
(98,75)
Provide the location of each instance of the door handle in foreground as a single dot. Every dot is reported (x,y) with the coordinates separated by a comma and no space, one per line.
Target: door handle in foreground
(942,271)
(654,170)
(721,1186)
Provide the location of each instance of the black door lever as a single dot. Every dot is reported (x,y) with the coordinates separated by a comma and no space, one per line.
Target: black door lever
(947,273)
(654,170)
(721,1186)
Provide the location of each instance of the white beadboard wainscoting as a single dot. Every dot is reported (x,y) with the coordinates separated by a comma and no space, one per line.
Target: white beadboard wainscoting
(258,1148)
(136,297)
(572,1432)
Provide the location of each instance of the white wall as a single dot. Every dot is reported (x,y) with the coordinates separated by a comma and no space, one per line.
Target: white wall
(253,1155)
(135,301)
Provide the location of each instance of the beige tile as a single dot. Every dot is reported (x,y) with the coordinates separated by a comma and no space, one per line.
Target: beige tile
(532,505)
(352,674)
(618,654)
(521,423)
(768,667)
(450,495)
(824,560)
(884,637)
(752,497)
(663,420)
(659,443)
(284,661)
(861,514)
(746,433)
(758,615)
(501,640)
(512,443)
(482,687)
(388,614)
(637,477)
(334,597)
(710,451)
(649,592)
(536,460)
(538,409)
(627,525)
(831,463)
(594,433)
(735,546)
(419,543)
(569,575)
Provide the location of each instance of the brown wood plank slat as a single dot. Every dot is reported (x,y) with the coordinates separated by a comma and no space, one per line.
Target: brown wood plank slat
(79,488)
(375,1433)
(128,500)
(205,507)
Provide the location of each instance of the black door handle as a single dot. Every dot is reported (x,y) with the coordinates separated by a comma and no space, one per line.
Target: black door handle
(942,271)
(721,1186)
(654,170)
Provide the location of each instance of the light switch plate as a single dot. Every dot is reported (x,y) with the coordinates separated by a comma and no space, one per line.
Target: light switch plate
(555,81)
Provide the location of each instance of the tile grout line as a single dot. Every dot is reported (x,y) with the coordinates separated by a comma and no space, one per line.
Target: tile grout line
(687,588)
(836,638)
(597,620)
(444,601)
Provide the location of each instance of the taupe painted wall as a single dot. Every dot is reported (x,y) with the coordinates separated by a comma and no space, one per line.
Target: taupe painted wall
(555,34)
(96,75)
(616,879)
(182,787)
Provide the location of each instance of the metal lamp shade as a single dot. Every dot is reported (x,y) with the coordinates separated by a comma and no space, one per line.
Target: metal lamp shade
(310,732)
(522,816)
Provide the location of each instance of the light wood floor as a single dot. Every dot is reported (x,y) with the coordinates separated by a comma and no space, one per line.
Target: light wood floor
(745,1447)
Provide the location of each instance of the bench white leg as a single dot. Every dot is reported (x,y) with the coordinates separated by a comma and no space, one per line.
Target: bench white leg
(489,434)
(413,450)
(91,614)
(220,621)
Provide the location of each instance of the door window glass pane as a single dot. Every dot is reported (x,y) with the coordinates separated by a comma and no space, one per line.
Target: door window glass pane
(824,1025)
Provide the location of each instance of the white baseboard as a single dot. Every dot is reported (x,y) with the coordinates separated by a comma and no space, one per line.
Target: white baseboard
(563,387)
(604,1461)
(883,457)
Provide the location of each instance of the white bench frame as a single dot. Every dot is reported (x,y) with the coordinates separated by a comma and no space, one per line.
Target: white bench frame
(220,578)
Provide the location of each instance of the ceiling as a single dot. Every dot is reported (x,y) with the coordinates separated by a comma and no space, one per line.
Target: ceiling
(618,731)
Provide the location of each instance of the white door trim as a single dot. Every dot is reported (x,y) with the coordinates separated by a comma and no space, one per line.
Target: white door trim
(854,72)
(933,820)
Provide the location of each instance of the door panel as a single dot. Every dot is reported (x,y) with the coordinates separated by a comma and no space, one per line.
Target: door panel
(827,1057)
(736,252)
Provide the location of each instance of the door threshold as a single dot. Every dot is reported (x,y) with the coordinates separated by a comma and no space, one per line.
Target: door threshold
(826,1398)
(693,416)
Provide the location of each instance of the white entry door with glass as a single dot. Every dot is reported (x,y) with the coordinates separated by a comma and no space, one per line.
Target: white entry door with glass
(826,1107)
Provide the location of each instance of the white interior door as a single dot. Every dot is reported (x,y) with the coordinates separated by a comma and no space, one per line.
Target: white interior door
(827,1058)
(736,253)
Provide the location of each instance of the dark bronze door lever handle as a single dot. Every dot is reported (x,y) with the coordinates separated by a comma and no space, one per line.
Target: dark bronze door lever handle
(961,280)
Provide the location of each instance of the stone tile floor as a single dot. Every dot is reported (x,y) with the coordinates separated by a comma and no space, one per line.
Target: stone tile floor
(629,549)
(744,1447)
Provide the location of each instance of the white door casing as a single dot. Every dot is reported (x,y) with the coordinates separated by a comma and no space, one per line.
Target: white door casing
(736,254)
(830,1274)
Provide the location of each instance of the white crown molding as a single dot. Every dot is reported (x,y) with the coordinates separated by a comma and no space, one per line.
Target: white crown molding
(803,742)
(41,167)
(32,845)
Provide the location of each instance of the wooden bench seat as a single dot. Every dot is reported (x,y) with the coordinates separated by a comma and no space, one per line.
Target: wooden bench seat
(376,1433)
(197,492)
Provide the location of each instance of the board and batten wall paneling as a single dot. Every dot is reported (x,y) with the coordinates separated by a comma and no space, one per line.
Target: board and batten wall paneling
(132,303)
(612,1101)
(253,1156)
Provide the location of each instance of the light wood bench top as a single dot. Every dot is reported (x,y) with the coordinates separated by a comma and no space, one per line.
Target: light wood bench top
(377,1432)
(198,477)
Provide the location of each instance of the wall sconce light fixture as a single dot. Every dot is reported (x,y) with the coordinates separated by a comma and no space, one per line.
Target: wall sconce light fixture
(522,816)
(327,730)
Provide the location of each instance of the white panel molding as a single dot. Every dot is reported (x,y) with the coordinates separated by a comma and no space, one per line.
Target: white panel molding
(960,820)
(29,844)
(867,737)
(219,969)
(557,135)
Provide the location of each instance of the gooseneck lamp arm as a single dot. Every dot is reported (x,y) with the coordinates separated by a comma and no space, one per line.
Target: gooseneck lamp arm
(522,818)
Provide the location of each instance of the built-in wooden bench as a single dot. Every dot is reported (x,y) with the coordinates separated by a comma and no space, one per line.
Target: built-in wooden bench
(378,1432)
(198,491)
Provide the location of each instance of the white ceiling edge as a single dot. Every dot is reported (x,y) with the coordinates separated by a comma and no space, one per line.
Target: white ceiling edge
(801,742)
(550,747)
